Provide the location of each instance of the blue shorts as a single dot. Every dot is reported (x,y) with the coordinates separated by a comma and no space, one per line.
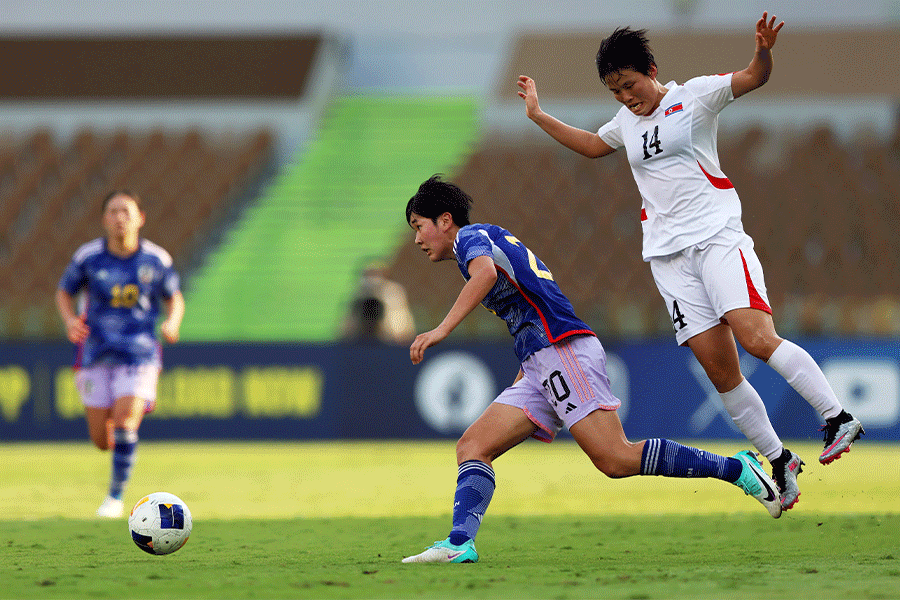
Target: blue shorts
(563,383)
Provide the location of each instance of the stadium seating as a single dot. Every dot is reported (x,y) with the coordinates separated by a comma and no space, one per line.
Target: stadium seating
(823,211)
(51,193)
(288,269)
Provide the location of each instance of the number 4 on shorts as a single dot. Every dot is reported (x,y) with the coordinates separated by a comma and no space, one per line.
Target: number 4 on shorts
(677,318)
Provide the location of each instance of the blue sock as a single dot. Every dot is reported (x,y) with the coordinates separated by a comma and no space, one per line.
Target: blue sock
(671,459)
(474,490)
(122,460)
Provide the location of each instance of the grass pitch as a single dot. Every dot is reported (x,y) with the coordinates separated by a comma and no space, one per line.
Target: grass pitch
(332,520)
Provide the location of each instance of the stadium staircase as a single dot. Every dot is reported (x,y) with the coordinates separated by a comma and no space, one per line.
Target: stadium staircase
(287,270)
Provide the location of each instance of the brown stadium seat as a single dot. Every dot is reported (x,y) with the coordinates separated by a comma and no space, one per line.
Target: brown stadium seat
(51,194)
(824,219)
(823,213)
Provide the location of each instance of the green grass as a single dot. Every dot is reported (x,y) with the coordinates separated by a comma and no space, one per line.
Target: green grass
(734,556)
(332,520)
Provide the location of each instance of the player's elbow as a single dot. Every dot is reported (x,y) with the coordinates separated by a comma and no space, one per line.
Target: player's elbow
(748,80)
(488,276)
(598,148)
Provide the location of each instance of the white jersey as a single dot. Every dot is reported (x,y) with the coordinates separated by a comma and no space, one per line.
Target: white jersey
(686,198)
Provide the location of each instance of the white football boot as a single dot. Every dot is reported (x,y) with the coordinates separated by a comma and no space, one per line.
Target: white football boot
(111,508)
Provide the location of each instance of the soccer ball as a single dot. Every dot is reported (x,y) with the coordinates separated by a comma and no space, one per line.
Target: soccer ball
(160,523)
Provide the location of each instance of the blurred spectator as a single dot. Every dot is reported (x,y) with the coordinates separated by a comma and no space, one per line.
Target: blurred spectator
(379,309)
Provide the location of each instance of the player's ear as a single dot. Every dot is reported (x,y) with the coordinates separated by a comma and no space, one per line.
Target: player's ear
(653,71)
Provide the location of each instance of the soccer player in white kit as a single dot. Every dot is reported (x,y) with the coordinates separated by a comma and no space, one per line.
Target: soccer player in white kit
(702,261)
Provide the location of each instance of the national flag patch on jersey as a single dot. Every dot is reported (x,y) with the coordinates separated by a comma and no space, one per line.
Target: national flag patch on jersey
(674,109)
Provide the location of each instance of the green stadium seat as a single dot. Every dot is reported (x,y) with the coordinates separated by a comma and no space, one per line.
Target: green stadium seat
(287,270)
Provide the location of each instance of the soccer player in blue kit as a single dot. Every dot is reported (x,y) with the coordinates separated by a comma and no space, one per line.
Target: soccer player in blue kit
(562,380)
(124,280)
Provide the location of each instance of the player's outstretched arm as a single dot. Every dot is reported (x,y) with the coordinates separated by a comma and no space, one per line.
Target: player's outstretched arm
(483,275)
(583,142)
(757,72)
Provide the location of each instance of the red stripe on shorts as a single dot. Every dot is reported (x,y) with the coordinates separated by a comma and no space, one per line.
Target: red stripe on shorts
(590,390)
(576,374)
(756,300)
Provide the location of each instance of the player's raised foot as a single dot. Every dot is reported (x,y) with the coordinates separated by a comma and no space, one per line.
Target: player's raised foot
(111,508)
(756,483)
(785,469)
(445,552)
(840,432)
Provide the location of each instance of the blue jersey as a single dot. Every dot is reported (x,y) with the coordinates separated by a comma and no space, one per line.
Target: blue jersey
(525,294)
(122,300)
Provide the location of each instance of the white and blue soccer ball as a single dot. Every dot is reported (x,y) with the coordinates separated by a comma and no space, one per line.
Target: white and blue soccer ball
(160,523)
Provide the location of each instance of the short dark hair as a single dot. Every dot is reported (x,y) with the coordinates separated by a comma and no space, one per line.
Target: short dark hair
(626,48)
(120,192)
(435,197)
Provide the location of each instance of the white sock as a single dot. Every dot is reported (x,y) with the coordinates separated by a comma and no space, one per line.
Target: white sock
(800,370)
(749,413)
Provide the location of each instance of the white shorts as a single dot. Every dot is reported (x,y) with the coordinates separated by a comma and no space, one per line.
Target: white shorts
(703,282)
(102,384)
(563,383)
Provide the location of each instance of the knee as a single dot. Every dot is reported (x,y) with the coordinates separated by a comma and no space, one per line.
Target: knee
(760,344)
(724,377)
(469,448)
(466,449)
(612,466)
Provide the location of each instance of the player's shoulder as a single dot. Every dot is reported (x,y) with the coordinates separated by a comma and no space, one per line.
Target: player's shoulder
(474,235)
(156,251)
(623,114)
(705,83)
(89,250)
(477,231)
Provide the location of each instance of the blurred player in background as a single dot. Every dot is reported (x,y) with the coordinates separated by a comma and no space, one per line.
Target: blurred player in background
(123,279)
(702,261)
(562,380)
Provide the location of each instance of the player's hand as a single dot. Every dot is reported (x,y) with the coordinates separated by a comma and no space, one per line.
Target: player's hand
(767,32)
(528,93)
(76,330)
(422,341)
(170,331)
